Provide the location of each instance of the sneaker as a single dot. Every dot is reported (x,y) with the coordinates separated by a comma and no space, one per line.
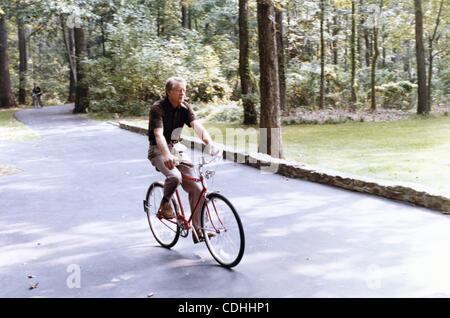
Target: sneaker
(165,211)
(201,238)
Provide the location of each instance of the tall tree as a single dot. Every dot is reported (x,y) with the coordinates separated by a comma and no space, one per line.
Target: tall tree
(250,116)
(353,52)
(365,34)
(160,17)
(431,39)
(72,66)
(68,37)
(322,56)
(270,123)
(335,32)
(184,14)
(281,58)
(422,105)
(82,88)
(375,53)
(23,65)
(6,97)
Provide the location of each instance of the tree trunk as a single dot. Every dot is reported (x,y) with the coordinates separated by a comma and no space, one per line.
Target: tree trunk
(250,116)
(270,133)
(430,72)
(362,20)
(82,88)
(160,19)
(184,15)
(407,60)
(368,47)
(335,32)
(376,52)
(422,107)
(190,18)
(102,27)
(353,53)
(357,34)
(23,67)
(281,59)
(322,56)
(68,38)
(431,40)
(6,97)
(73,67)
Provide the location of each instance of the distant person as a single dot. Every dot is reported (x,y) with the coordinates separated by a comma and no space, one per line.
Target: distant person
(36,94)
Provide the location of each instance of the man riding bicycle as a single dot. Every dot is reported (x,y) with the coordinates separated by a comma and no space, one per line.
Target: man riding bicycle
(166,120)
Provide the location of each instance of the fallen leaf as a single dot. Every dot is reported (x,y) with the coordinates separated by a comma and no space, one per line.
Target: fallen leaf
(150,295)
(31,276)
(33,286)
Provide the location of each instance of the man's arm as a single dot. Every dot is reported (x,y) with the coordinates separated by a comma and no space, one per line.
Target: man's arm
(163,148)
(201,132)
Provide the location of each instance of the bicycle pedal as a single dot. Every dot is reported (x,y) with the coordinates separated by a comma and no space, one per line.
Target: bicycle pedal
(183,232)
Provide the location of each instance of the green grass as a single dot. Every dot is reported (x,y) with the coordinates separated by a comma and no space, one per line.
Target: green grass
(416,150)
(13,130)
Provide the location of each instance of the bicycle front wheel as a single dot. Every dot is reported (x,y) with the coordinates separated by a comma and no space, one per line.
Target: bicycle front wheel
(223,231)
(166,232)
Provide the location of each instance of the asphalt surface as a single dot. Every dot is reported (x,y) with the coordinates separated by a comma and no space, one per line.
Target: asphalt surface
(72,220)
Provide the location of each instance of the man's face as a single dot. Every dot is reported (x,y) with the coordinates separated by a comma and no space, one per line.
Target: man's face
(177,94)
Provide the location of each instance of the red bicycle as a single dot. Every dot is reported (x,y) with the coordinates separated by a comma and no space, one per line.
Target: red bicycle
(218,216)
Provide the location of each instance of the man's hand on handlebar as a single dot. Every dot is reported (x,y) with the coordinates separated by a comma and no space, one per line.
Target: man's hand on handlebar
(214,150)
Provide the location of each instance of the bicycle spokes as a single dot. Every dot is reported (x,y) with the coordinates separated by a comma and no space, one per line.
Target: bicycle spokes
(223,230)
(165,231)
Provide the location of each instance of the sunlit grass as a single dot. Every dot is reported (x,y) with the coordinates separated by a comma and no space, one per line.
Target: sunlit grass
(415,150)
(13,130)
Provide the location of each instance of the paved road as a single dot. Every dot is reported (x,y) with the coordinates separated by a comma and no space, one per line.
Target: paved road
(77,205)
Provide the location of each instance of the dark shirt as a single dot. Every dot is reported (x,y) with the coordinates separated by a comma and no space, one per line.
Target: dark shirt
(164,115)
(37,91)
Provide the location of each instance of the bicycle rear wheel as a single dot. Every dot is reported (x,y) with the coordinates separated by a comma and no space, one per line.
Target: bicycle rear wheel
(220,217)
(166,232)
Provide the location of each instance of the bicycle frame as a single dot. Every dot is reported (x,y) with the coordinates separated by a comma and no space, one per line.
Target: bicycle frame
(182,218)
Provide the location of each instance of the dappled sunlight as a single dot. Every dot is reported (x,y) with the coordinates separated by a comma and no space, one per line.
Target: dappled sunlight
(28,187)
(46,245)
(183,262)
(77,131)
(120,162)
(428,263)
(280,204)
(21,228)
(372,250)
(342,269)
(269,256)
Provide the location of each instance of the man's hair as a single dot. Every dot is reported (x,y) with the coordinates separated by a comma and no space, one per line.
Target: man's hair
(170,83)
